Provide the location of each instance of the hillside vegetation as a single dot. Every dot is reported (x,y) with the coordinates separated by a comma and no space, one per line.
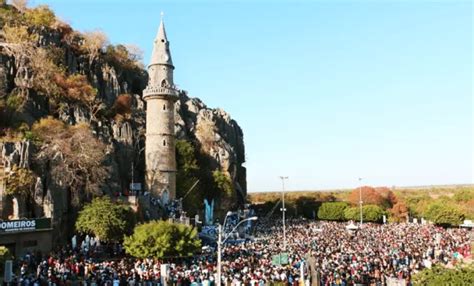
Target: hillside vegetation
(444,205)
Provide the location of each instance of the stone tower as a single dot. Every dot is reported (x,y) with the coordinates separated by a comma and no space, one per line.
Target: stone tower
(160,95)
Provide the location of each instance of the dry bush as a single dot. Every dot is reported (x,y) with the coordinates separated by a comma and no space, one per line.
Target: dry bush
(18,35)
(62,26)
(123,104)
(44,73)
(75,154)
(389,197)
(381,196)
(73,39)
(94,42)
(135,53)
(399,212)
(20,182)
(369,196)
(21,5)
(76,87)
(123,57)
(40,16)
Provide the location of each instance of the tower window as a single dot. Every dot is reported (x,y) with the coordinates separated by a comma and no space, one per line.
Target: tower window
(164,106)
(164,142)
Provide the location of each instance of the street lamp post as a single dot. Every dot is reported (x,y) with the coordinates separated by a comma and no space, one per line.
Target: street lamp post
(221,241)
(360,201)
(219,255)
(283,209)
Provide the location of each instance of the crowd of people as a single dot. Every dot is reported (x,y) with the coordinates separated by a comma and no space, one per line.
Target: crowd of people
(325,251)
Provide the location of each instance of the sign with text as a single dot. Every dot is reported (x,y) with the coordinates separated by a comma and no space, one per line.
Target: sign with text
(280,259)
(25,225)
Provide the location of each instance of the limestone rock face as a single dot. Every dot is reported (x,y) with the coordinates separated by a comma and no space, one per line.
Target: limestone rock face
(219,136)
(16,153)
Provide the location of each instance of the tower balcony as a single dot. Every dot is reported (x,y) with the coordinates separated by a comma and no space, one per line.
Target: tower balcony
(160,92)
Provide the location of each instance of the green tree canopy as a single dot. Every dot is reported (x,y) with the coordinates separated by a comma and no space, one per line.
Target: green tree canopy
(106,220)
(332,211)
(438,275)
(464,195)
(370,213)
(185,156)
(443,214)
(227,194)
(187,176)
(162,239)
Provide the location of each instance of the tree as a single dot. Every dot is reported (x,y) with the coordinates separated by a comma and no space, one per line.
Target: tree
(108,221)
(417,205)
(185,156)
(438,275)
(464,195)
(369,196)
(94,42)
(40,16)
(371,213)
(389,198)
(135,53)
(227,194)
(308,205)
(122,105)
(332,211)
(399,212)
(223,182)
(187,176)
(76,87)
(375,196)
(123,57)
(20,182)
(18,35)
(162,239)
(444,214)
(77,156)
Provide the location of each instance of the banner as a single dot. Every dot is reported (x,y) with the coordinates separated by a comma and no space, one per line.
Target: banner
(280,259)
(208,212)
(25,225)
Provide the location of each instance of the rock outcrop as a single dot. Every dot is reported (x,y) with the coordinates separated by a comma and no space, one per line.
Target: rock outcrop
(219,135)
(213,130)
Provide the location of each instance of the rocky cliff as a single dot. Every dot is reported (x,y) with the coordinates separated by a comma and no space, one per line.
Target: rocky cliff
(49,70)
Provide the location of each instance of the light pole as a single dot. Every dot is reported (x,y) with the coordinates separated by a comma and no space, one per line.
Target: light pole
(283,209)
(360,201)
(220,241)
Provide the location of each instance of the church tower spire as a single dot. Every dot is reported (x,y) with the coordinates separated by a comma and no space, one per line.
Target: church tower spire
(161,51)
(160,95)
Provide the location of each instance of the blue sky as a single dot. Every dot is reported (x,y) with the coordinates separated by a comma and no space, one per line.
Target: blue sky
(325,91)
